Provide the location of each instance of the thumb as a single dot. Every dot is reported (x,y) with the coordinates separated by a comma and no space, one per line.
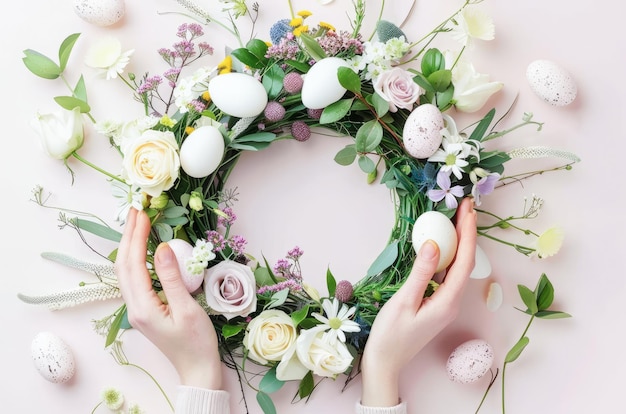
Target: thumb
(166,267)
(422,271)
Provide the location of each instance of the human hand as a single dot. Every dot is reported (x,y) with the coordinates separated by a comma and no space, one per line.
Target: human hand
(180,328)
(408,321)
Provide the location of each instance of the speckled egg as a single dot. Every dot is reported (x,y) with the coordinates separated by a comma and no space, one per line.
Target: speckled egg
(183,250)
(422,131)
(52,357)
(100,12)
(238,94)
(470,361)
(551,82)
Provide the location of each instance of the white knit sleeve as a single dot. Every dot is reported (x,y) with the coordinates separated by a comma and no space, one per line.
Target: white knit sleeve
(194,400)
(398,409)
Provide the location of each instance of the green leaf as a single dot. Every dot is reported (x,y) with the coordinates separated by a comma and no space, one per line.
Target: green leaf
(366,164)
(299,315)
(66,49)
(331,283)
(444,98)
(70,102)
(479,132)
(99,230)
(257,137)
(517,349)
(385,259)
(369,136)
(312,47)
(349,79)
(231,330)
(266,403)
(278,298)
(299,66)
(125,324)
(41,65)
(175,221)
(528,297)
(115,325)
(164,231)
(544,293)
(546,314)
(346,155)
(440,79)
(269,383)
(432,61)
(423,82)
(80,90)
(175,211)
(335,111)
(252,146)
(259,49)
(380,105)
(273,81)
(307,385)
(248,58)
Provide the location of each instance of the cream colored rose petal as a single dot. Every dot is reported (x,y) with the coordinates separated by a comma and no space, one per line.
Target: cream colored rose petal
(103,53)
(494,297)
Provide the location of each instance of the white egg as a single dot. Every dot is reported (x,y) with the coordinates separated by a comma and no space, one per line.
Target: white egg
(202,151)
(436,226)
(100,12)
(422,131)
(551,82)
(52,357)
(183,251)
(470,361)
(238,94)
(482,265)
(321,85)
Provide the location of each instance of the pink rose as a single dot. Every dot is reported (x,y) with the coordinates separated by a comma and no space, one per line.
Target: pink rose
(397,87)
(230,289)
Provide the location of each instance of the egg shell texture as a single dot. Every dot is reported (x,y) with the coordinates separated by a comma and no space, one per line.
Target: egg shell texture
(184,250)
(422,131)
(436,226)
(551,82)
(100,12)
(202,151)
(470,361)
(321,86)
(52,357)
(238,94)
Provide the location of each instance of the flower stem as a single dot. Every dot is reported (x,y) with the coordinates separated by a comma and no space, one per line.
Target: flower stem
(156,382)
(95,167)
(522,249)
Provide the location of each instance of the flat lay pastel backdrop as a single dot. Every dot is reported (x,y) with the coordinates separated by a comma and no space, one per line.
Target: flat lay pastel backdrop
(294,194)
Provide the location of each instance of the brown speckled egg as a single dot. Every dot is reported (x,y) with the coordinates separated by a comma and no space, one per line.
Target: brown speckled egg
(100,12)
(469,361)
(422,131)
(551,82)
(52,357)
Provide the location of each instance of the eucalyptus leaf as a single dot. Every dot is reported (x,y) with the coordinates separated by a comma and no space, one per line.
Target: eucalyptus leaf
(368,136)
(175,211)
(70,102)
(269,383)
(346,155)
(517,349)
(66,49)
(251,146)
(257,137)
(306,386)
(164,231)
(265,402)
(41,65)
(380,105)
(366,164)
(349,79)
(528,297)
(176,221)
(385,259)
(313,48)
(99,230)
(331,283)
(278,298)
(124,323)
(336,111)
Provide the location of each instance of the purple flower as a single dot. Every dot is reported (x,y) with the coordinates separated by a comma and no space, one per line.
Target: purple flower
(238,244)
(216,239)
(484,186)
(295,253)
(229,220)
(445,190)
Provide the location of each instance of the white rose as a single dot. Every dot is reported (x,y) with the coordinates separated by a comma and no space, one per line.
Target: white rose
(151,161)
(471,89)
(230,289)
(61,133)
(320,356)
(290,368)
(397,87)
(269,336)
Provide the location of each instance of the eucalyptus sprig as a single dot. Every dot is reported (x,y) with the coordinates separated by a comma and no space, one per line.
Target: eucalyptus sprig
(537,302)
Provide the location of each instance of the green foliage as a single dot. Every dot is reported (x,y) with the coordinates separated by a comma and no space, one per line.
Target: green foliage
(331,283)
(349,79)
(387,30)
(385,259)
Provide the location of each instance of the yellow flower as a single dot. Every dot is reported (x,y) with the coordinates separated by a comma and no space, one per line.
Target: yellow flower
(206,96)
(189,130)
(327,26)
(300,29)
(304,13)
(167,121)
(226,65)
(296,22)
(549,242)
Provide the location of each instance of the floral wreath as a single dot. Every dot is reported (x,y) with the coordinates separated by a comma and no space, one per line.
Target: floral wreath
(391,96)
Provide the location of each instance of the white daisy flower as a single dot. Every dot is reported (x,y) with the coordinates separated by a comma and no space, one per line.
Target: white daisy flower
(127,196)
(337,321)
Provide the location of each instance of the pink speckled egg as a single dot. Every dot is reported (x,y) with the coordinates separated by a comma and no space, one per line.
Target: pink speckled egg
(469,361)
(183,251)
(52,357)
(551,82)
(100,12)
(422,131)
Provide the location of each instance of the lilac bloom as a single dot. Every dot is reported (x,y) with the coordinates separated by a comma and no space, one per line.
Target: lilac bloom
(484,186)
(446,190)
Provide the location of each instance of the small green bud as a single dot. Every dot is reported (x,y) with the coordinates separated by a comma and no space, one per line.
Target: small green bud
(371,177)
(376,295)
(195,201)
(159,202)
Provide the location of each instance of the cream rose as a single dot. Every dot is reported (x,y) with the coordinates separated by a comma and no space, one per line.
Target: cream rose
(269,336)
(151,161)
(61,133)
(471,89)
(317,354)
(397,87)
(230,289)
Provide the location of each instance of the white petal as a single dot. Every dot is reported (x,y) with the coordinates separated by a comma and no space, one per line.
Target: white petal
(482,266)
(494,297)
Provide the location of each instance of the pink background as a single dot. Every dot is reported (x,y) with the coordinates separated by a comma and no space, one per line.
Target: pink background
(294,194)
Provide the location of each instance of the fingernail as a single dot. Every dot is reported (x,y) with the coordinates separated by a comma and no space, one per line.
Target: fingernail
(428,250)
(164,254)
